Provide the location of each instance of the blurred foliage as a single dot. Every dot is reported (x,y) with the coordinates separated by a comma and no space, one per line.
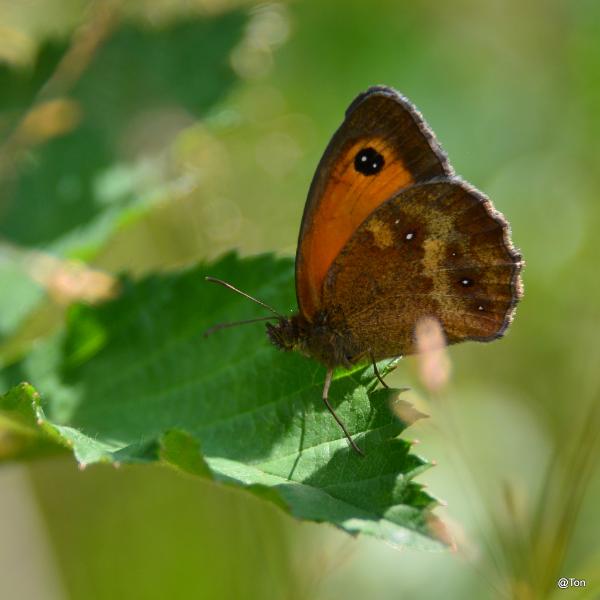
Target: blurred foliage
(65,182)
(510,88)
(69,176)
(19,294)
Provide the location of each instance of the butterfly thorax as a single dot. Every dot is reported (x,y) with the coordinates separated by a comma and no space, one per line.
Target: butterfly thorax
(325,339)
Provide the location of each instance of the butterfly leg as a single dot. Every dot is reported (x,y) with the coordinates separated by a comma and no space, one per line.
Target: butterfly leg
(328,379)
(377,374)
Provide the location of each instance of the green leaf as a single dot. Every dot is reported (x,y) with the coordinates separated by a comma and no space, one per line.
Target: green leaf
(182,451)
(134,380)
(24,431)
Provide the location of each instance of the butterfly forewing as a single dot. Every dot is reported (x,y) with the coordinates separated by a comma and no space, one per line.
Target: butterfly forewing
(436,249)
(382,147)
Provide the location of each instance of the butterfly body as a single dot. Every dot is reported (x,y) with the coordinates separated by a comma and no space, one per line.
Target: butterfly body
(389,236)
(326,339)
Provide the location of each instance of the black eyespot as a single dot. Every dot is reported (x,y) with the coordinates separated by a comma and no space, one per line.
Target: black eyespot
(368,161)
(466,282)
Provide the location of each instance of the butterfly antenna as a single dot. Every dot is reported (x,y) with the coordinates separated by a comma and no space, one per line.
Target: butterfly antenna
(234,289)
(220,326)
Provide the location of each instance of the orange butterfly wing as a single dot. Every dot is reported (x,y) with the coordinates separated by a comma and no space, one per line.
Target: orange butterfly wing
(382,147)
(436,249)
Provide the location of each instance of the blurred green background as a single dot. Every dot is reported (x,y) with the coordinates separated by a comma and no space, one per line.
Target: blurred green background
(177,130)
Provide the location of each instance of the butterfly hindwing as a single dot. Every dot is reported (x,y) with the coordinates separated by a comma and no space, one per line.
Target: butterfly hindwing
(435,249)
(382,147)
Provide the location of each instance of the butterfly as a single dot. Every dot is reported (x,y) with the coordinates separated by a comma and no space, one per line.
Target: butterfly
(389,236)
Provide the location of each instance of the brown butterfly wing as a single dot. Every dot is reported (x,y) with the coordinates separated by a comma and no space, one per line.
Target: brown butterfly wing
(436,249)
(379,123)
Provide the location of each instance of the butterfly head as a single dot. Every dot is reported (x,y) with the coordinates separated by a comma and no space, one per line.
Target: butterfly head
(285,334)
